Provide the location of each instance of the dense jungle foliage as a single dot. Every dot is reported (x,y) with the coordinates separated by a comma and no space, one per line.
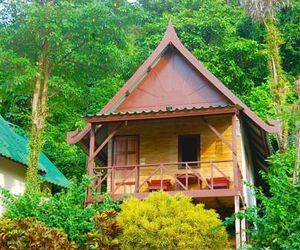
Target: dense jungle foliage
(95,46)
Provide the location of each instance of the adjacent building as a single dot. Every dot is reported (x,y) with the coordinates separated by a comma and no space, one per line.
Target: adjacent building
(14,162)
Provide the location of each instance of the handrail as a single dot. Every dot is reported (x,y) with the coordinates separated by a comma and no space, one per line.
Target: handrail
(165,164)
(160,169)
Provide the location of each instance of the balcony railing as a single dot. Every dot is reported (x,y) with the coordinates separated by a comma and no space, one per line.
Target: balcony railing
(178,176)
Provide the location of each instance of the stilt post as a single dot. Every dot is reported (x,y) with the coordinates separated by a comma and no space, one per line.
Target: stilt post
(237,222)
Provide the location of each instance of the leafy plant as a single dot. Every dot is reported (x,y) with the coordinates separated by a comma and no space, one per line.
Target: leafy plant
(278,216)
(276,220)
(23,234)
(104,235)
(65,210)
(165,222)
(100,44)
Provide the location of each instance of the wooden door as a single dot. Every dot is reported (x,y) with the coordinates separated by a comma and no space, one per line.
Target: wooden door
(125,153)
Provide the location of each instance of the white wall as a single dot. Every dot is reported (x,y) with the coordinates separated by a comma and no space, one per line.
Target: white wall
(247,171)
(12,177)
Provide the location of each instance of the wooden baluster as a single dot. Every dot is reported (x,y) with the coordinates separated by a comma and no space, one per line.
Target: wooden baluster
(99,183)
(234,152)
(198,177)
(199,183)
(186,177)
(109,172)
(211,175)
(161,176)
(113,170)
(137,179)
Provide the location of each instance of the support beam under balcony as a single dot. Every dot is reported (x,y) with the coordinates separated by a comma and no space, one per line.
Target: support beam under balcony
(237,222)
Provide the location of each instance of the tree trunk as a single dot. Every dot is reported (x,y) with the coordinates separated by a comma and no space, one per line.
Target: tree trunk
(279,84)
(297,161)
(39,108)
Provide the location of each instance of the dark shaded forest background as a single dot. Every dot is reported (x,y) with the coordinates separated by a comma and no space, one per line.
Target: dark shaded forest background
(97,47)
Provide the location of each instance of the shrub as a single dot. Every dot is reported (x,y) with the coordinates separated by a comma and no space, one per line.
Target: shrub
(23,234)
(164,222)
(277,218)
(104,235)
(64,210)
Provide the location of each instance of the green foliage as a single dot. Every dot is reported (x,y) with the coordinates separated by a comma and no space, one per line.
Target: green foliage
(64,210)
(95,46)
(32,180)
(260,100)
(289,26)
(165,222)
(87,53)
(104,235)
(23,234)
(278,227)
(279,84)
(277,218)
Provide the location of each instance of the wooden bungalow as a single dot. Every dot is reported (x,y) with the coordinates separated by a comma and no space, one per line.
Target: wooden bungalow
(174,126)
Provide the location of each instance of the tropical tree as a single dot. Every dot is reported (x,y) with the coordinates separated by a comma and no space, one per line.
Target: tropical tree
(264,11)
(296,112)
(56,40)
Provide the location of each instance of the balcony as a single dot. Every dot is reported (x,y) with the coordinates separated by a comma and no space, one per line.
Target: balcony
(197,179)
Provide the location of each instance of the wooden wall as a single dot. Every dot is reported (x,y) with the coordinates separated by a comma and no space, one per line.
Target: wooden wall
(159,144)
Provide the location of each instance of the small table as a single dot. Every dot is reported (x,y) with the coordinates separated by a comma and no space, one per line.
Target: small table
(192,179)
(154,185)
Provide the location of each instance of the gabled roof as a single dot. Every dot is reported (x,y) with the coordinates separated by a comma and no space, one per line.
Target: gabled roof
(171,39)
(15,147)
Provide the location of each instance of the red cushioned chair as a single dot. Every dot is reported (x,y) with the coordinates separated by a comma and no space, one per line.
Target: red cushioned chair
(219,182)
(154,185)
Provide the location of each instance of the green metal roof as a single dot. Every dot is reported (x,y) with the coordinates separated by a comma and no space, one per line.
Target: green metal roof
(15,147)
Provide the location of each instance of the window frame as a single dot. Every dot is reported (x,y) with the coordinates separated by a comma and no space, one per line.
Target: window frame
(180,166)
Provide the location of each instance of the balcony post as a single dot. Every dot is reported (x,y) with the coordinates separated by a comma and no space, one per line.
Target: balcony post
(161,176)
(186,177)
(91,161)
(137,178)
(237,222)
(211,175)
(234,152)
(243,232)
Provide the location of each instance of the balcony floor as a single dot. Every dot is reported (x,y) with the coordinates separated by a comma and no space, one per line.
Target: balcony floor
(207,193)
